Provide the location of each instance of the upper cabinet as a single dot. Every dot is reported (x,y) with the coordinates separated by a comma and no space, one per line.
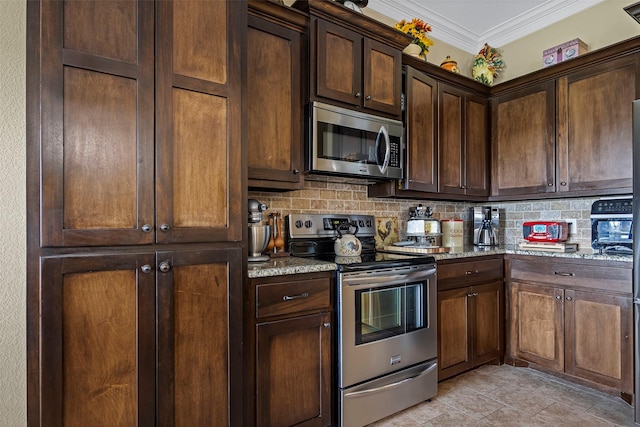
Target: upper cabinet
(276,70)
(463,141)
(355,61)
(140,124)
(567,132)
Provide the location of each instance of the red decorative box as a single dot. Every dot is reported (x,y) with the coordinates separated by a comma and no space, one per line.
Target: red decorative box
(568,50)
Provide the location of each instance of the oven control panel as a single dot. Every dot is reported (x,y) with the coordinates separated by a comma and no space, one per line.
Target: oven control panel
(324,225)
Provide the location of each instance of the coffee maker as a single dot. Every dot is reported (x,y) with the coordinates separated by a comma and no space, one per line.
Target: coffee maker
(486,225)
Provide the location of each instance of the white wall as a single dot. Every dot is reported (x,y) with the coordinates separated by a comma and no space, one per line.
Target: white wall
(12,213)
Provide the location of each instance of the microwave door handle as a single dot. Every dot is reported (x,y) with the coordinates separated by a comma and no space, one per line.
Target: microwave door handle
(387,153)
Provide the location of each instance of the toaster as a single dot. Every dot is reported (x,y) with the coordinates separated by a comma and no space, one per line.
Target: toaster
(545,231)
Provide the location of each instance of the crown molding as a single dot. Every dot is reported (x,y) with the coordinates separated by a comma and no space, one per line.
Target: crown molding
(448,31)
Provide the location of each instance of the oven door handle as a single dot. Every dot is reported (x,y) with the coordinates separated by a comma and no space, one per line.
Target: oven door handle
(386,278)
(388,386)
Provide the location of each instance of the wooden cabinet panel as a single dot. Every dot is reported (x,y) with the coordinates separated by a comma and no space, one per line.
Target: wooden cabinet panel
(538,324)
(476,165)
(451,139)
(454,333)
(594,134)
(96,124)
(198,294)
(421,118)
(597,322)
(293,372)
(276,299)
(99,28)
(382,77)
(339,63)
(198,123)
(97,331)
(524,141)
(470,315)
(274,114)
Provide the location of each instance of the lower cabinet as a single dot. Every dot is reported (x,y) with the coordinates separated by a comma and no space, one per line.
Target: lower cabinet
(141,338)
(470,315)
(288,351)
(574,318)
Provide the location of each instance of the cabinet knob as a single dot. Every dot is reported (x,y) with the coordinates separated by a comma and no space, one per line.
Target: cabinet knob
(563,183)
(550,184)
(368,97)
(146,228)
(569,298)
(165,227)
(296,171)
(358,94)
(146,268)
(327,325)
(558,297)
(164,266)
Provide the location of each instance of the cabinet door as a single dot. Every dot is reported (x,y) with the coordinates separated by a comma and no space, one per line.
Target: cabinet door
(599,338)
(338,63)
(595,126)
(488,331)
(537,324)
(97,340)
(199,310)
(523,142)
(294,390)
(454,332)
(274,111)
(200,180)
(476,154)
(382,77)
(96,123)
(421,154)
(451,135)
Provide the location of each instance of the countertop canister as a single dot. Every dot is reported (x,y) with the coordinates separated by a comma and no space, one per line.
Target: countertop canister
(452,232)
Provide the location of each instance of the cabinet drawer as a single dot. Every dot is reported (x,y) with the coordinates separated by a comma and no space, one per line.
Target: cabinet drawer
(291,297)
(573,274)
(469,272)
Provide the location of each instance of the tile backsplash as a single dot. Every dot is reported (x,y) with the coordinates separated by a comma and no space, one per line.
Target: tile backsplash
(327,197)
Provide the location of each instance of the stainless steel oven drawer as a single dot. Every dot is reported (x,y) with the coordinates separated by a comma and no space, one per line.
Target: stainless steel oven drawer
(377,399)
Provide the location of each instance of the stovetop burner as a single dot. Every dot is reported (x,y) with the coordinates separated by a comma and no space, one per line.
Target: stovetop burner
(312,236)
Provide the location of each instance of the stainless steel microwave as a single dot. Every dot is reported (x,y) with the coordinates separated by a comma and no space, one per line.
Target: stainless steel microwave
(351,143)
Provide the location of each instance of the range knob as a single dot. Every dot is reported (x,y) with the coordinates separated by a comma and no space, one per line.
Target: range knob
(298,224)
(308,223)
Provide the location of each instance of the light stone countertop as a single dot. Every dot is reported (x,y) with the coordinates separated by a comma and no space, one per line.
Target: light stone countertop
(294,265)
(287,265)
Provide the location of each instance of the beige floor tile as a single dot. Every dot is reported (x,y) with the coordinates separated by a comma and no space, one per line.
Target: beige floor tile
(400,420)
(616,411)
(452,419)
(471,402)
(568,395)
(523,399)
(566,416)
(426,411)
(510,417)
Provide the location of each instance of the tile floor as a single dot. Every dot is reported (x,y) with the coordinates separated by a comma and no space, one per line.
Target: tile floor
(507,396)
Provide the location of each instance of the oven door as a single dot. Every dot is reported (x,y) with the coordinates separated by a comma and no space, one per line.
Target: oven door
(387,321)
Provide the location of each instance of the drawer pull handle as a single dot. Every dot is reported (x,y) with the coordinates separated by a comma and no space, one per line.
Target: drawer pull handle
(469,273)
(289,298)
(560,273)
(474,294)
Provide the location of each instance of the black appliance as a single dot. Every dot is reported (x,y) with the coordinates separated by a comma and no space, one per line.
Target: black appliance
(611,225)
(386,338)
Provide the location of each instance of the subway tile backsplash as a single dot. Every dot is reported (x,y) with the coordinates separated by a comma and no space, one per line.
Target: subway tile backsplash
(327,197)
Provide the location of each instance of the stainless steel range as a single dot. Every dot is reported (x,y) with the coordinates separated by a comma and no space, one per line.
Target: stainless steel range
(386,315)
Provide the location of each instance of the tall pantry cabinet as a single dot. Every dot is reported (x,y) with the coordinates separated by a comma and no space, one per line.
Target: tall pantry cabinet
(135,212)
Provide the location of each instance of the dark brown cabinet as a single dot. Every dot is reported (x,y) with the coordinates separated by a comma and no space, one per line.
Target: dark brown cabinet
(421,118)
(574,318)
(523,142)
(463,142)
(288,352)
(101,360)
(274,124)
(569,134)
(135,201)
(470,315)
(355,61)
